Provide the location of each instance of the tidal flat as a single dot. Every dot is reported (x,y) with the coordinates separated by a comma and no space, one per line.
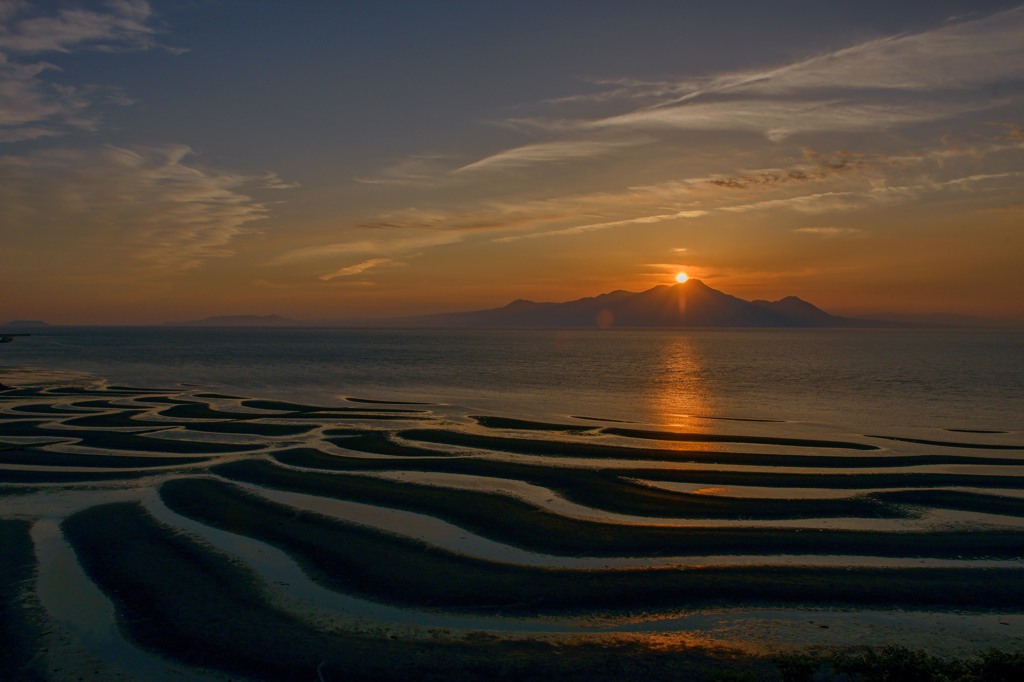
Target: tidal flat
(161,533)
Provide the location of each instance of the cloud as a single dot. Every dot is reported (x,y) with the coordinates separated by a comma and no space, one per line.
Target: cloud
(24,101)
(819,167)
(970,181)
(875,195)
(822,202)
(8,8)
(821,183)
(33,107)
(124,26)
(957,55)
(357,268)
(780,119)
(419,169)
(629,89)
(393,245)
(897,81)
(149,207)
(591,227)
(480,218)
(548,152)
(829,231)
(954,56)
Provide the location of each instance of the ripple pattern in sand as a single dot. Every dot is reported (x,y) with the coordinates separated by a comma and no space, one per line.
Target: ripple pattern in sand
(570,525)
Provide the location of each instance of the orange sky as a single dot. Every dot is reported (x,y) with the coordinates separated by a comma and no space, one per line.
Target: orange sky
(162,162)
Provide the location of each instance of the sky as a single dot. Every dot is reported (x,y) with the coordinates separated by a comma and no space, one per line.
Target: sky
(174,160)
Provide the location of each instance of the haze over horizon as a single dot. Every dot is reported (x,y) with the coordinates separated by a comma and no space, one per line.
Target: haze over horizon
(165,160)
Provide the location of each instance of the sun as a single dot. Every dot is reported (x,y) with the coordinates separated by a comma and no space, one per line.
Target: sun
(682,277)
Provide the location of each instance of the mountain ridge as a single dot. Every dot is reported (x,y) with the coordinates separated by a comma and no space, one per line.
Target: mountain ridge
(689,304)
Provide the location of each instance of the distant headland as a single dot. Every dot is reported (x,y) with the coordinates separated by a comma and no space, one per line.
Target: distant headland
(22,324)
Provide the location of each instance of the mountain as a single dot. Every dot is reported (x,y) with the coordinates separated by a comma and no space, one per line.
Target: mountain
(798,309)
(25,323)
(239,321)
(690,304)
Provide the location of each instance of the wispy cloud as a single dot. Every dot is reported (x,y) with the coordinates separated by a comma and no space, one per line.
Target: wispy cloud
(898,81)
(592,227)
(418,169)
(830,231)
(356,269)
(778,120)
(394,245)
(958,55)
(954,56)
(892,83)
(25,102)
(619,89)
(34,107)
(125,25)
(147,206)
(823,202)
(551,152)
(971,181)
(818,184)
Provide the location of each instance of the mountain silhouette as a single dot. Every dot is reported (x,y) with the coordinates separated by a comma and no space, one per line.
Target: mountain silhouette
(238,321)
(689,304)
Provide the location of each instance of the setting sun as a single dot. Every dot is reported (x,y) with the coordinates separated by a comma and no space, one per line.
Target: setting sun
(682,277)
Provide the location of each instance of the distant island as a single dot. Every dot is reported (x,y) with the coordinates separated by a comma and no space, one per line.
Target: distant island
(688,304)
(239,321)
(22,324)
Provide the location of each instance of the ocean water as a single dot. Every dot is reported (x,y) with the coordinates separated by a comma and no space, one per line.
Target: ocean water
(854,380)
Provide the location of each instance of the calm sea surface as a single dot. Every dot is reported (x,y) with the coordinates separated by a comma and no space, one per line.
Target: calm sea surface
(854,380)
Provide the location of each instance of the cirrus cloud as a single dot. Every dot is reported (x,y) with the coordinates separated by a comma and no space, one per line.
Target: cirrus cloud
(148,206)
(829,231)
(357,269)
(31,105)
(126,24)
(893,82)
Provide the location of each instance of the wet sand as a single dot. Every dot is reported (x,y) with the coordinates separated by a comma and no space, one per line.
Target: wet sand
(376,540)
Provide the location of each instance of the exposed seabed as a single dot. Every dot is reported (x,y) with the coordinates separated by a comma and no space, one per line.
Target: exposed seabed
(164,533)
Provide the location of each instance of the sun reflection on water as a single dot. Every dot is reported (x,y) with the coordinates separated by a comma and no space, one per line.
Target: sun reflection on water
(679,396)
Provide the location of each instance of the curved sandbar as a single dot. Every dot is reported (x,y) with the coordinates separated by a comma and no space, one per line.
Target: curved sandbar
(357,559)
(609,490)
(521,524)
(557,448)
(206,610)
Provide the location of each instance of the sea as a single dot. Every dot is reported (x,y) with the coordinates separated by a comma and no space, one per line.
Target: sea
(851,379)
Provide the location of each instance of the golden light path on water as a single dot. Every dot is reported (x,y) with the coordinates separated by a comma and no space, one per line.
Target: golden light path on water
(679,397)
